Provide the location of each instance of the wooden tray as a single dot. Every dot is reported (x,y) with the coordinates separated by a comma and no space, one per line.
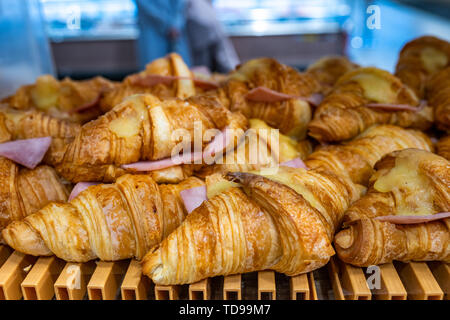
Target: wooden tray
(46,278)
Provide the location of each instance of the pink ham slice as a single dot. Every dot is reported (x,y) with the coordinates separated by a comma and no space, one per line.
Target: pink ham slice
(263,94)
(80,187)
(89,105)
(218,143)
(413,219)
(294,163)
(28,152)
(193,198)
(397,107)
(315,99)
(154,79)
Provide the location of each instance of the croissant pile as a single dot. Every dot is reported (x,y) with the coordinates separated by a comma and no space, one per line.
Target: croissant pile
(265,168)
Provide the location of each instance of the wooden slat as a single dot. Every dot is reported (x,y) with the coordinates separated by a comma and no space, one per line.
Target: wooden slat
(135,285)
(232,287)
(5,252)
(12,274)
(419,281)
(391,284)
(72,282)
(38,284)
(200,290)
(312,287)
(300,287)
(266,285)
(333,272)
(105,281)
(441,272)
(350,281)
(167,292)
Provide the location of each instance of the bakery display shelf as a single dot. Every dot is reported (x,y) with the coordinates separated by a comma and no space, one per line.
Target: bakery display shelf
(46,278)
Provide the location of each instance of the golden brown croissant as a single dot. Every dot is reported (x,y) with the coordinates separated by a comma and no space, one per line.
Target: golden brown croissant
(261,147)
(355,159)
(24,191)
(345,112)
(68,99)
(109,221)
(27,124)
(270,226)
(443,147)
(140,128)
(438,94)
(290,116)
(408,182)
(181,86)
(370,242)
(329,69)
(421,58)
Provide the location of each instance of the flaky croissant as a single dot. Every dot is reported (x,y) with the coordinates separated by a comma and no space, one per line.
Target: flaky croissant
(443,147)
(181,86)
(270,226)
(407,182)
(24,191)
(355,159)
(140,128)
(359,100)
(438,94)
(290,116)
(67,99)
(109,221)
(329,69)
(419,59)
(261,147)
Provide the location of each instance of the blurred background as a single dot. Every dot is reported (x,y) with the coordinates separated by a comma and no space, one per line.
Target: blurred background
(83,38)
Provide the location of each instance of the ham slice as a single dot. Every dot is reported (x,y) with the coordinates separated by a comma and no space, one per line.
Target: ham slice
(315,99)
(193,198)
(294,163)
(263,94)
(397,107)
(163,163)
(413,219)
(80,187)
(89,105)
(28,152)
(154,79)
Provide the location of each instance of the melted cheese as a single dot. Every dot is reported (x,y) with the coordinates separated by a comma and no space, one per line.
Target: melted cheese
(411,188)
(376,88)
(125,127)
(287,178)
(45,93)
(286,145)
(216,184)
(433,59)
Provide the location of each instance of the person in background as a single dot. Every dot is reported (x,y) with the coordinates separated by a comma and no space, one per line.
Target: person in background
(209,44)
(162,29)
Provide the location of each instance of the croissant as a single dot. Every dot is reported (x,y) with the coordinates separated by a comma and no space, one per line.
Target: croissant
(139,128)
(438,93)
(421,58)
(329,69)
(109,221)
(291,115)
(359,100)
(178,82)
(270,226)
(27,124)
(24,191)
(355,159)
(67,99)
(407,182)
(261,147)
(443,147)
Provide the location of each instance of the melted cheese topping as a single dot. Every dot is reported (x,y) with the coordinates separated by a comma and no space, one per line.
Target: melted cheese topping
(216,184)
(433,59)
(411,188)
(286,178)
(286,145)
(125,127)
(45,93)
(376,88)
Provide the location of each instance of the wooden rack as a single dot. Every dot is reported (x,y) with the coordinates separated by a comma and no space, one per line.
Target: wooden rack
(46,278)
